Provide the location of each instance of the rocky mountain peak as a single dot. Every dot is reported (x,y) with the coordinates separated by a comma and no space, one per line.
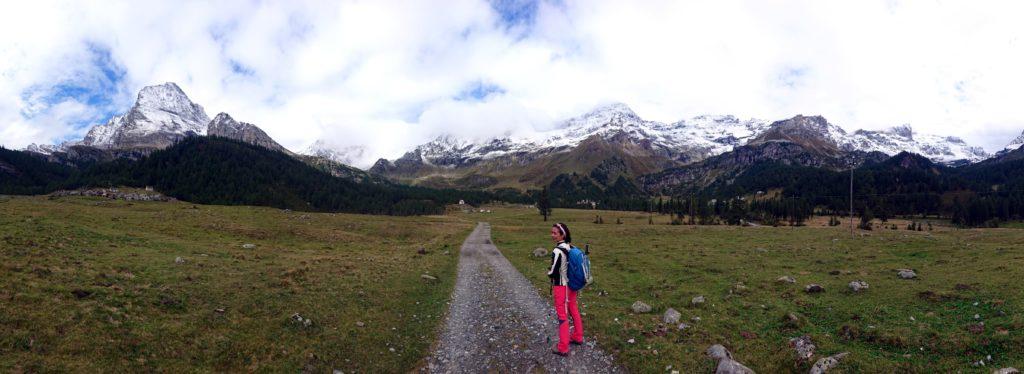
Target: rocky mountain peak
(903,130)
(224,126)
(812,132)
(1016,143)
(161,115)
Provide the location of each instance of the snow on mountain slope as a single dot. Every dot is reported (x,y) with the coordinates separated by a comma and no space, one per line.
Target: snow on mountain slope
(1016,143)
(703,136)
(943,149)
(345,155)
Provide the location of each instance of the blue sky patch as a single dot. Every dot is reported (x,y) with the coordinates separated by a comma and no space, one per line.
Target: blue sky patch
(515,13)
(479,91)
(96,84)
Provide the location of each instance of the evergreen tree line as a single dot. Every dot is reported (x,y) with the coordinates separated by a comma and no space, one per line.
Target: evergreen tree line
(975,195)
(210,170)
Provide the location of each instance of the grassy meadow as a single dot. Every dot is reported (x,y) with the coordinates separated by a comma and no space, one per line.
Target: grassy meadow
(90,284)
(923,325)
(94,285)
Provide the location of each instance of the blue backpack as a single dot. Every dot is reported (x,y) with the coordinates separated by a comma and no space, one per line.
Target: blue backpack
(579,269)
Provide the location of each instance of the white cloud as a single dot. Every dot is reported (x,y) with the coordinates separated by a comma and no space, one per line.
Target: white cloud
(386,74)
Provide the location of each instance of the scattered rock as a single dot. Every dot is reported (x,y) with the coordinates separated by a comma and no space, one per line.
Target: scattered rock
(858,285)
(305,322)
(814,288)
(786,279)
(804,348)
(761,250)
(631,341)
(671,316)
(641,307)
(827,363)
(906,274)
(739,288)
(682,326)
(697,300)
(81,294)
(179,260)
(726,364)
(695,319)
(428,277)
(248,246)
(1006,371)
(360,324)
(219,310)
(540,252)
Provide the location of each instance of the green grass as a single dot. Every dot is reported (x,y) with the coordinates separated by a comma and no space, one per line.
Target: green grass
(665,266)
(144,312)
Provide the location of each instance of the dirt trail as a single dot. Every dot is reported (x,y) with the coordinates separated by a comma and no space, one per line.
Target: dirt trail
(497,322)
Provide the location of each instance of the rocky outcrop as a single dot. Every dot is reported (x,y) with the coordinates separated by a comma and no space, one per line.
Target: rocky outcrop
(226,127)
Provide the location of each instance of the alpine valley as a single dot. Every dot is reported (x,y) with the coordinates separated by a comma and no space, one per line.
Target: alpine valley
(609,156)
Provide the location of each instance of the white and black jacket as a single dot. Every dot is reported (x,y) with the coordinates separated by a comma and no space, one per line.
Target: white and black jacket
(559,271)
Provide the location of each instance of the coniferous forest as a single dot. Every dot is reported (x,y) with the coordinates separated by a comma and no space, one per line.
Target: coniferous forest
(211,170)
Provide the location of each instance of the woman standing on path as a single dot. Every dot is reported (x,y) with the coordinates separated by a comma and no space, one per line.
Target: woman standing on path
(564,298)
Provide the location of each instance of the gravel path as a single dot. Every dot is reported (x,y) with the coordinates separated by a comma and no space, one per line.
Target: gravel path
(497,322)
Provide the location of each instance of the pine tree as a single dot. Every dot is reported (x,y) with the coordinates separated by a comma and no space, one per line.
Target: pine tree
(544,203)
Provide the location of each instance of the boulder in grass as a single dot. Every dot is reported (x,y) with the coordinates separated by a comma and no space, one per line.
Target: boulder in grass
(1006,371)
(906,273)
(858,285)
(827,363)
(697,300)
(814,288)
(540,252)
(641,307)
(671,316)
(726,364)
(248,246)
(786,279)
(803,347)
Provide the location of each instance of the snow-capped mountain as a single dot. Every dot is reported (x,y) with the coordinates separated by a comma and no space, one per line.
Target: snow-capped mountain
(161,115)
(1016,143)
(942,149)
(45,149)
(687,140)
(350,155)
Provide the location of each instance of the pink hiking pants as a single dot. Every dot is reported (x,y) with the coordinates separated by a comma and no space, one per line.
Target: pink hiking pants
(565,304)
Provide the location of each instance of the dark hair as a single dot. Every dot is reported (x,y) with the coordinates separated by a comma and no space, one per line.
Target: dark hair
(566,235)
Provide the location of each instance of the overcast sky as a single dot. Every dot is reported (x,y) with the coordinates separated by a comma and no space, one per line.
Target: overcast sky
(389,75)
